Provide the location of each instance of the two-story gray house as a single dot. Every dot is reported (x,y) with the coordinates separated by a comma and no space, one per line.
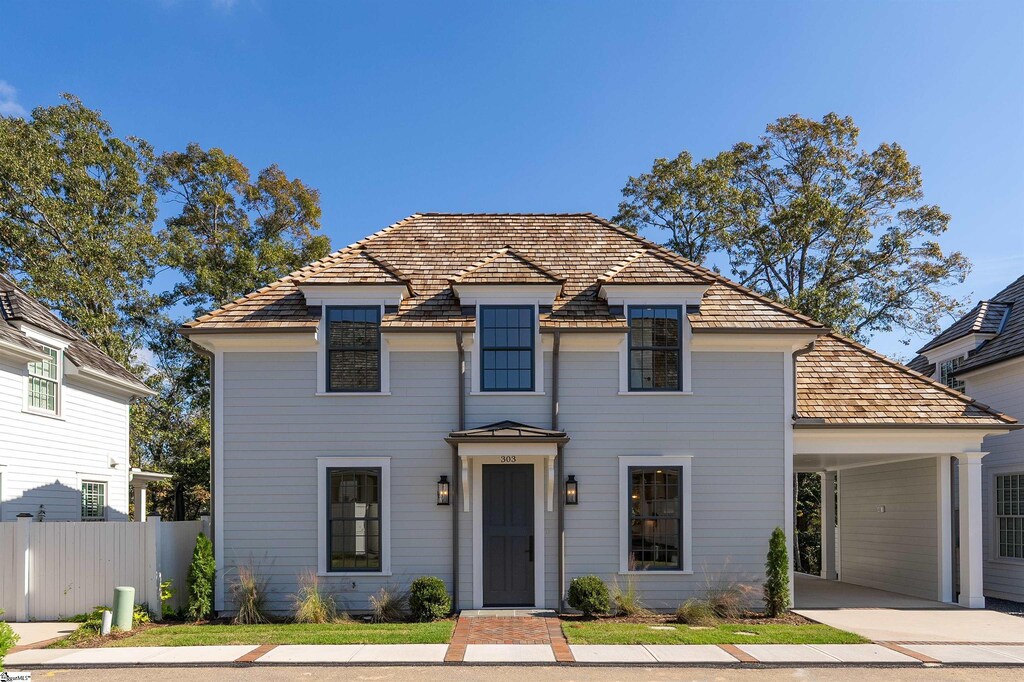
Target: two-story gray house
(509,401)
(982,354)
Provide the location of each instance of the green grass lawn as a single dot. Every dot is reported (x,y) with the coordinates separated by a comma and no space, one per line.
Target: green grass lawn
(598,632)
(336,633)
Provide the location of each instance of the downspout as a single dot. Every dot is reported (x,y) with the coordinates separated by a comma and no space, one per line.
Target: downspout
(456,469)
(796,354)
(560,467)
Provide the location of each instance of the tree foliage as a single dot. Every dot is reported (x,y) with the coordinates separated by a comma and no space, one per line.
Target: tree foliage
(810,219)
(76,221)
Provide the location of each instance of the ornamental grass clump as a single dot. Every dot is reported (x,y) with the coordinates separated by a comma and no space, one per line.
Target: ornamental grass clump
(776,583)
(311,604)
(696,612)
(388,605)
(250,595)
(589,595)
(626,600)
(428,599)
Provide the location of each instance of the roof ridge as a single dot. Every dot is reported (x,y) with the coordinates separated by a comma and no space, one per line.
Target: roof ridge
(498,253)
(707,272)
(292,276)
(485,214)
(962,397)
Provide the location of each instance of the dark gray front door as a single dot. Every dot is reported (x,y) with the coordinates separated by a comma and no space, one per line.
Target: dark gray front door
(508,534)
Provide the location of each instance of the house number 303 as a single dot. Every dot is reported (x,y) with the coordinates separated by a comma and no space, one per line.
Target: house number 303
(508,459)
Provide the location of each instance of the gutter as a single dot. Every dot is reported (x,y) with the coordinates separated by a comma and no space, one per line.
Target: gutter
(796,354)
(453,495)
(560,466)
(809,424)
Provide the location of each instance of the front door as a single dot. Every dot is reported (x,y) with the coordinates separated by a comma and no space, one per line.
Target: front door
(508,535)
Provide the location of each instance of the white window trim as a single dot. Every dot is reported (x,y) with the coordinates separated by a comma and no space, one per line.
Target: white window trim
(685,361)
(91,478)
(321,355)
(322,465)
(476,364)
(993,551)
(58,412)
(686,463)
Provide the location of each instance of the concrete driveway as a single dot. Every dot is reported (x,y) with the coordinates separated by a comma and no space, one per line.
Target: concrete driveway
(32,633)
(889,617)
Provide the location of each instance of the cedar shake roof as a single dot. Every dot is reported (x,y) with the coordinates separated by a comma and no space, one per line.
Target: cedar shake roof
(505,266)
(842,383)
(647,266)
(358,266)
(430,249)
(18,306)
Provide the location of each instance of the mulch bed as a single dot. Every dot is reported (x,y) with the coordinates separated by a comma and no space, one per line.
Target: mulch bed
(750,618)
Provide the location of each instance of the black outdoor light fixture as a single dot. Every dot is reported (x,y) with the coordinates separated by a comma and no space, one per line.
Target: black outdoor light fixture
(443,498)
(572,491)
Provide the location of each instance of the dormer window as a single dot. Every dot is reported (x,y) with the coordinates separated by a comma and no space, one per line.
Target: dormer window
(44,382)
(655,348)
(353,349)
(947,373)
(507,347)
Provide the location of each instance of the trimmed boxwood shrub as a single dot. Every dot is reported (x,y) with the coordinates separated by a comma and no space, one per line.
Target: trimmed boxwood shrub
(428,599)
(589,595)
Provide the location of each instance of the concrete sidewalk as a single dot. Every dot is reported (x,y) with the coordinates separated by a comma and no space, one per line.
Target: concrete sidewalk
(376,654)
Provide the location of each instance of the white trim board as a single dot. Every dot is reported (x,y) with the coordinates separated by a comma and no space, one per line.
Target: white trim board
(684,461)
(322,465)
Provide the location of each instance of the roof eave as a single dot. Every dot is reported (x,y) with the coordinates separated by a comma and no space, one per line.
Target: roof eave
(804,423)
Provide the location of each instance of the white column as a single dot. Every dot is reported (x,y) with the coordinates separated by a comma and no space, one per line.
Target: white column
(971,584)
(944,514)
(140,502)
(828,525)
(153,576)
(22,557)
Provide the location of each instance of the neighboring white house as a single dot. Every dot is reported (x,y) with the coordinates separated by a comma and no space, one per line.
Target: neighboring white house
(509,401)
(982,354)
(63,418)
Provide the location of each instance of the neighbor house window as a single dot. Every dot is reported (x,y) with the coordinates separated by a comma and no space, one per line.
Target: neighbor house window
(655,518)
(1010,515)
(947,373)
(353,349)
(655,348)
(44,382)
(507,347)
(354,539)
(94,501)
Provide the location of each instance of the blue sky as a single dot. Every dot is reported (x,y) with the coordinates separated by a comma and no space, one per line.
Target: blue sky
(393,108)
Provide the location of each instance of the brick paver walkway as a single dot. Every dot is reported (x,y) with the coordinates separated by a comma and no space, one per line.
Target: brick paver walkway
(532,629)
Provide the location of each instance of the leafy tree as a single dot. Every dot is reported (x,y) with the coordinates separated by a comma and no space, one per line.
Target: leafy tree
(76,221)
(810,219)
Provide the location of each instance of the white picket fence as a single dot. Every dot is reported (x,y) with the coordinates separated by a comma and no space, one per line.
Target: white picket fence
(54,570)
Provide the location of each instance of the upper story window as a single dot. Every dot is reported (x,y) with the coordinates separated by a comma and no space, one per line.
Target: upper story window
(353,349)
(507,347)
(655,348)
(94,501)
(44,382)
(947,374)
(1010,515)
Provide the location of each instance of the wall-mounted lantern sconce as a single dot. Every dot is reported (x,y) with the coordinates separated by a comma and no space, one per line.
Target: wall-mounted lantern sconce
(443,489)
(572,490)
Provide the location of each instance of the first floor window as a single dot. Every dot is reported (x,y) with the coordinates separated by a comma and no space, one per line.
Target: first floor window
(655,518)
(353,349)
(947,373)
(354,519)
(44,381)
(94,501)
(655,348)
(1010,515)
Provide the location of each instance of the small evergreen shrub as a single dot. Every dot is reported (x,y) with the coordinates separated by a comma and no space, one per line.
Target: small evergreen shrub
(428,599)
(312,605)
(201,574)
(250,595)
(696,612)
(388,605)
(8,638)
(776,584)
(589,595)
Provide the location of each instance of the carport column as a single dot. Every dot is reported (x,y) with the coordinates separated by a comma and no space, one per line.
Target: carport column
(828,525)
(140,500)
(971,585)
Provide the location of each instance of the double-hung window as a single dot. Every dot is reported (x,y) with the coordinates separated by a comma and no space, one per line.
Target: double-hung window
(94,501)
(44,382)
(354,539)
(655,518)
(1010,515)
(947,373)
(507,348)
(353,349)
(655,348)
